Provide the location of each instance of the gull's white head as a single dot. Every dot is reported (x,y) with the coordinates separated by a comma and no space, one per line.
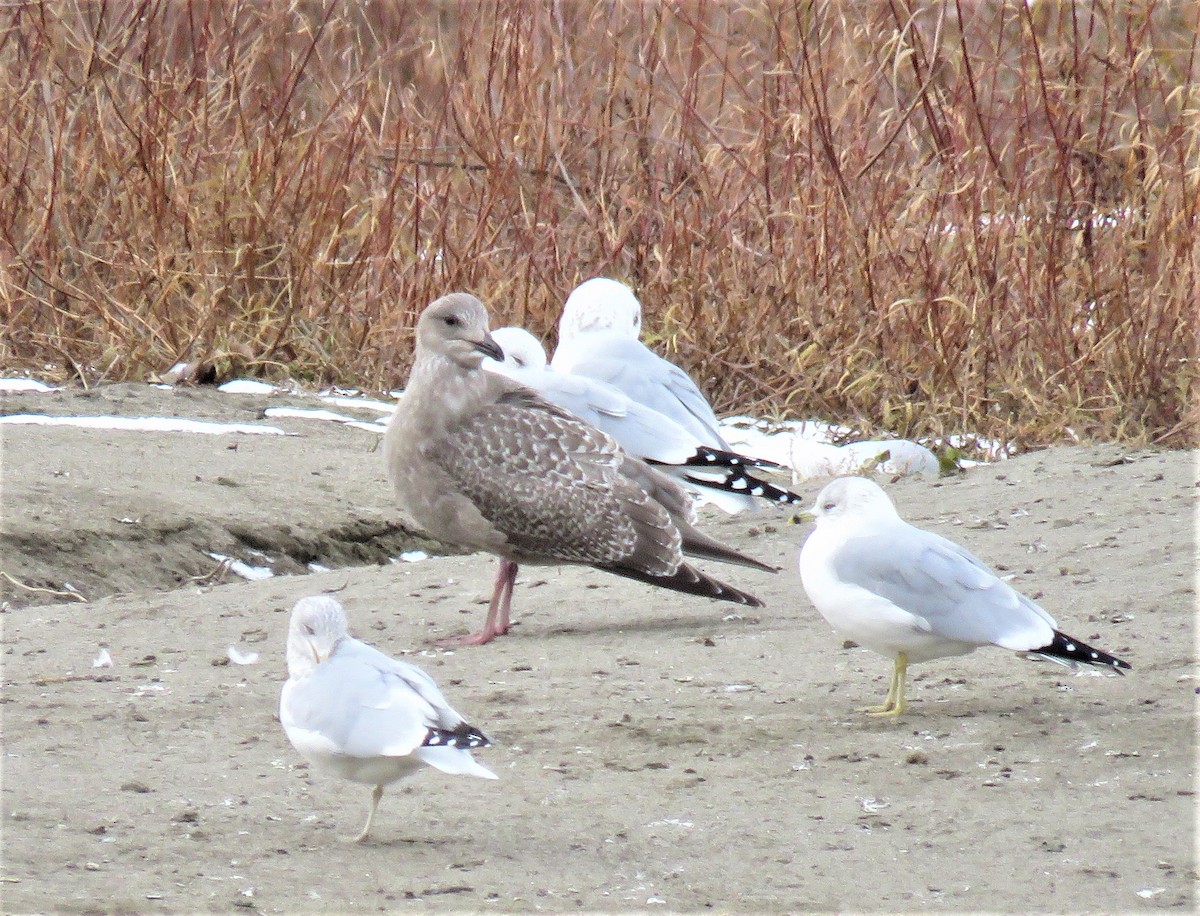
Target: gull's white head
(318,624)
(521,349)
(852,497)
(601,304)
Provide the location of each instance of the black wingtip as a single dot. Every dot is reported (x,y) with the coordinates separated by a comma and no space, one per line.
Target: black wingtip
(692,581)
(737,480)
(707,457)
(462,736)
(1069,649)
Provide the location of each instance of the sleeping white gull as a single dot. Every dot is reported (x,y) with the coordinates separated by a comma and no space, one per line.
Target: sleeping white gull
(485,463)
(353,712)
(717,476)
(598,338)
(912,595)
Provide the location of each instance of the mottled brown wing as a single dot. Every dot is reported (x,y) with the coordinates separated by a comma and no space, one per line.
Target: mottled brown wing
(553,485)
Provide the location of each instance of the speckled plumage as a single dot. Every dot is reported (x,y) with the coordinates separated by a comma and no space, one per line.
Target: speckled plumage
(483,462)
(711,474)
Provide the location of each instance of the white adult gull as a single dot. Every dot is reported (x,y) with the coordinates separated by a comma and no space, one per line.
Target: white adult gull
(912,595)
(598,338)
(354,712)
(718,476)
(485,463)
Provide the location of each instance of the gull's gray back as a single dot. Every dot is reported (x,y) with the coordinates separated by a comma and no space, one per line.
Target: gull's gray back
(944,584)
(631,367)
(368,704)
(640,430)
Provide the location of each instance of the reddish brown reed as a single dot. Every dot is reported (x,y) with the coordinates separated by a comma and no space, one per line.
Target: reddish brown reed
(914,218)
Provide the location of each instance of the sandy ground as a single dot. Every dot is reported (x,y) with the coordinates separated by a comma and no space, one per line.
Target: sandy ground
(656,751)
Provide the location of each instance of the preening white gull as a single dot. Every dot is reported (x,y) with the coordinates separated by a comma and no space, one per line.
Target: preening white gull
(912,595)
(485,463)
(354,712)
(598,338)
(721,477)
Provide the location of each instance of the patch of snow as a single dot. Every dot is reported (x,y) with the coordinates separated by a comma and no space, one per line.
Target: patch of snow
(319,413)
(247,386)
(19,385)
(144,424)
(806,446)
(245,570)
(364,403)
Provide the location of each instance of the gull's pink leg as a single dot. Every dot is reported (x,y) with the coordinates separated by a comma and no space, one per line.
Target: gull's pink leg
(499,608)
(506,578)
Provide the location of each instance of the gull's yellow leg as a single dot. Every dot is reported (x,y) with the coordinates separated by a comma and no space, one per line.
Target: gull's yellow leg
(366,831)
(894,704)
(890,700)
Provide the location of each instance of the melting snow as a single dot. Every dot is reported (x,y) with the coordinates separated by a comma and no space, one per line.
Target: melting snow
(318,413)
(245,570)
(247,386)
(24,384)
(144,424)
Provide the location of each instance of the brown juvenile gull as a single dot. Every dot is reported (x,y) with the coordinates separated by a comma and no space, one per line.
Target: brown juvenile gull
(483,462)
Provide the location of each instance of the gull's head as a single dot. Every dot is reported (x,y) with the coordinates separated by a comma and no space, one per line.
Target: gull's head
(521,349)
(456,327)
(601,304)
(318,624)
(852,498)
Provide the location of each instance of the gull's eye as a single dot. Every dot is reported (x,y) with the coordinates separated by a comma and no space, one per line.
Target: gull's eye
(829,506)
(309,631)
(520,362)
(451,321)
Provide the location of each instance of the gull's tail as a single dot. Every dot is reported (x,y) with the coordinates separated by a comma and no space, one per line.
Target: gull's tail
(446,749)
(462,736)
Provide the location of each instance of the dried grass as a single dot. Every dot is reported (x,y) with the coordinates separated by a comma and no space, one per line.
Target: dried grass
(914,218)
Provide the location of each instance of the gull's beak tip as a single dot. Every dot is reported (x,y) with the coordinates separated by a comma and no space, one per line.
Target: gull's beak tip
(489,347)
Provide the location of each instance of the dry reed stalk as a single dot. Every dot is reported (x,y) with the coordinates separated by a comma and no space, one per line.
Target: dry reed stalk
(919,219)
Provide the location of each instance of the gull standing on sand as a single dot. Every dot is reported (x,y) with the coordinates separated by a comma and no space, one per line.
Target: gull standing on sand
(912,595)
(598,338)
(353,712)
(718,476)
(485,463)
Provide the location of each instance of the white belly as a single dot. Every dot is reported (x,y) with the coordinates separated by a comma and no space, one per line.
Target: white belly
(870,620)
(371,771)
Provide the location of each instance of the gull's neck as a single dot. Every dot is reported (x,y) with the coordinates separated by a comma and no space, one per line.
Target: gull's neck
(440,392)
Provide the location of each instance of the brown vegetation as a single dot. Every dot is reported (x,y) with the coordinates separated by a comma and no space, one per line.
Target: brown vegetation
(922,219)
